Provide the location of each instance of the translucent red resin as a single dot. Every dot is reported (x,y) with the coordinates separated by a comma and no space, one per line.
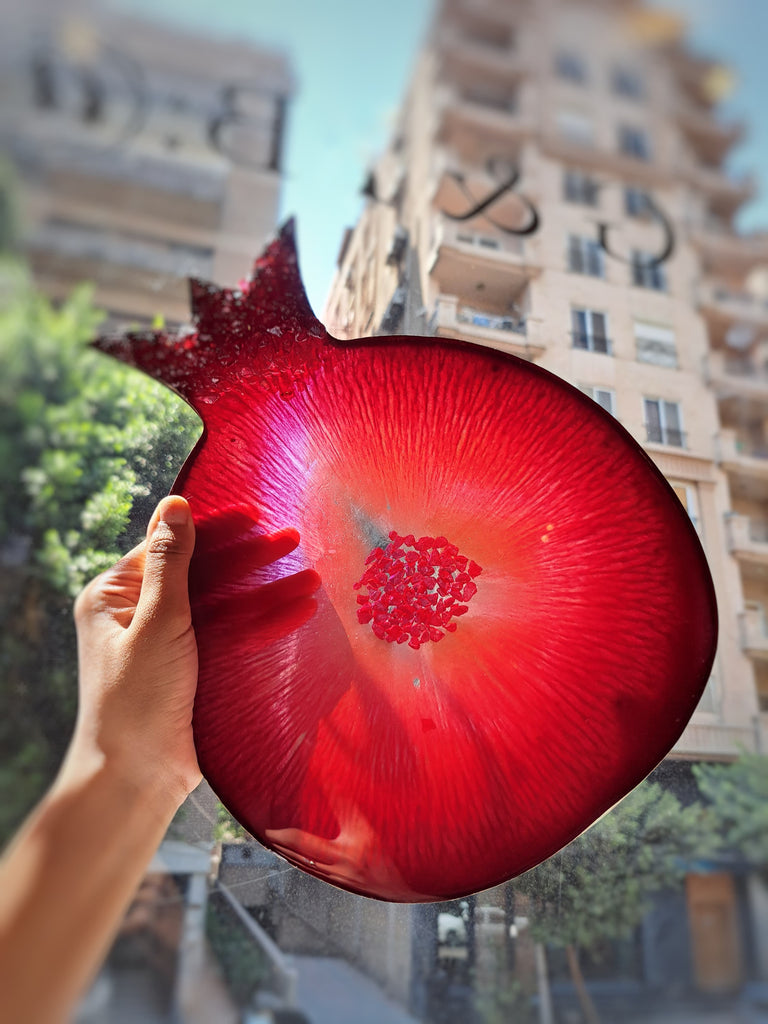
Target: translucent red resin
(514,619)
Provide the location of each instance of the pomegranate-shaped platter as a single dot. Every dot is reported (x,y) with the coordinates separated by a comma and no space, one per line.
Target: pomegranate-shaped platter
(448,611)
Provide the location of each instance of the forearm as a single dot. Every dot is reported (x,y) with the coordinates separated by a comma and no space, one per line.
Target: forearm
(66,882)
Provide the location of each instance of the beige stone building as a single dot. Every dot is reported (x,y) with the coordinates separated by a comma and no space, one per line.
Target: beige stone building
(612,260)
(146,154)
(555,188)
(143,155)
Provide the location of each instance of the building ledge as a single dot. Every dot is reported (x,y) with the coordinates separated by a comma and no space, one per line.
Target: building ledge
(747,538)
(452,319)
(717,741)
(753,631)
(729,305)
(739,456)
(679,463)
(609,161)
(728,250)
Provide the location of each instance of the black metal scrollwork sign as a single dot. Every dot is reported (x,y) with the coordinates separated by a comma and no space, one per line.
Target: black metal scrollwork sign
(114,95)
(508,175)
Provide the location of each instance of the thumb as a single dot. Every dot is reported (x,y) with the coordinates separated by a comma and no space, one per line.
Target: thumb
(170,542)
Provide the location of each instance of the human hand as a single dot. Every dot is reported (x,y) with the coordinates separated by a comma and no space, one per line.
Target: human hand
(138,664)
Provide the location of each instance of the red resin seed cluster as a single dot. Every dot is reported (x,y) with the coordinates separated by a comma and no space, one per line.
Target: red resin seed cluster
(415,588)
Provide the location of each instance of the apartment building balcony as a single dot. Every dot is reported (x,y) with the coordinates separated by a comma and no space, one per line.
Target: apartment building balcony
(710,138)
(747,538)
(725,192)
(718,741)
(753,630)
(727,304)
(133,277)
(91,245)
(499,61)
(482,113)
(462,257)
(744,456)
(737,379)
(725,250)
(453,318)
(696,74)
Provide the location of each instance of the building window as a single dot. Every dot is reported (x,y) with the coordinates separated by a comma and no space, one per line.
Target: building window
(579,187)
(664,422)
(604,397)
(646,273)
(686,494)
(637,202)
(590,330)
(571,67)
(585,256)
(634,142)
(628,83)
(655,344)
(575,126)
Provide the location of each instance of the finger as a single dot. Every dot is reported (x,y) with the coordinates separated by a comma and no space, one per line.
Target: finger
(244,606)
(220,567)
(224,526)
(170,542)
(235,526)
(282,622)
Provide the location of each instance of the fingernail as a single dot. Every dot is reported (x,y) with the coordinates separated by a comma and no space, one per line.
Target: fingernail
(174,513)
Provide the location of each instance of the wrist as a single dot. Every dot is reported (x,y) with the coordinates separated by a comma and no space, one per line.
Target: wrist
(132,782)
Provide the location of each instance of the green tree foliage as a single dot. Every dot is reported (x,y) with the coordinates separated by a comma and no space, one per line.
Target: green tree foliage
(738,796)
(87,447)
(599,887)
(227,830)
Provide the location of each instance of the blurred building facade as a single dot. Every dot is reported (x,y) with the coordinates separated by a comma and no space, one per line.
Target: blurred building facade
(556,188)
(142,155)
(145,154)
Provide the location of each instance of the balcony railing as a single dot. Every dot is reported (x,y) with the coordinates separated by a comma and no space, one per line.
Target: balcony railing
(467,315)
(507,104)
(727,189)
(452,234)
(758,530)
(747,537)
(452,318)
(742,454)
(744,299)
(498,113)
(733,373)
(739,366)
(702,739)
(741,306)
(656,434)
(751,449)
(122,164)
(754,631)
(79,242)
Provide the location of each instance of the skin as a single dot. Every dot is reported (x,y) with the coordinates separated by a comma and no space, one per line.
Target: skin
(71,872)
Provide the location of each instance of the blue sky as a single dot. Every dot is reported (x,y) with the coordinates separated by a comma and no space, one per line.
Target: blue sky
(352,60)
